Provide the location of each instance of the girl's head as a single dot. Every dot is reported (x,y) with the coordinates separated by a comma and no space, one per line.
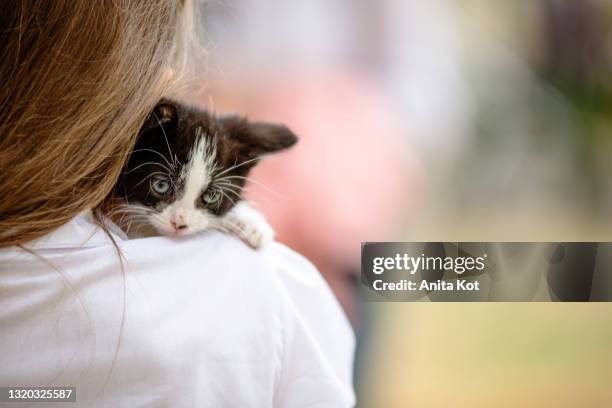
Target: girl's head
(78,79)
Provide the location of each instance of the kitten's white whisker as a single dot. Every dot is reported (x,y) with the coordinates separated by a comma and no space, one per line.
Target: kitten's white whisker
(259,183)
(156,152)
(235,193)
(237,190)
(231,186)
(239,165)
(147,163)
(129,214)
(134,216)
(149,176)
(164,133)
(131,207)
(258,194)
(229,228)
(228,197)
(161,220)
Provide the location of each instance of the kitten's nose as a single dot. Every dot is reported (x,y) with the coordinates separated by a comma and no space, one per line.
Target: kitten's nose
(178,225)
(178,222)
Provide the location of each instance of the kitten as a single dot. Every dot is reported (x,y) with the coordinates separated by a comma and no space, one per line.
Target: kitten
(187,172)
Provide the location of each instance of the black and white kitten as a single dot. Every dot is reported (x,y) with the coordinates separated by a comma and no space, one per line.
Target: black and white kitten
(187,172)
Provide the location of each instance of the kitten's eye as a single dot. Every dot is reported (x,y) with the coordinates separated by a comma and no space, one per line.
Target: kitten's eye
(211,197)
(161,186)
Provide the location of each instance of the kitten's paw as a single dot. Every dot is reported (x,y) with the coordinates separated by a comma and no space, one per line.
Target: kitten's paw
(250,225)
(257,235)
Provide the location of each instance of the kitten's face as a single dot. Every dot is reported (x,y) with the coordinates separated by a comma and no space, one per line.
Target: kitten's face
(188,168)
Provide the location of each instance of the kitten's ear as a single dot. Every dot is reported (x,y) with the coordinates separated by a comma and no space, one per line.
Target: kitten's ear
(164,113)
(257,138)
(270,137)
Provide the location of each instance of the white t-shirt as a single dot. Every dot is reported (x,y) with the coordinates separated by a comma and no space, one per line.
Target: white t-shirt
(200,321)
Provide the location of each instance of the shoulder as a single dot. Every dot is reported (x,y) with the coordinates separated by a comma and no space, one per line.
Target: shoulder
(214,252)
(203,252)
(210,263)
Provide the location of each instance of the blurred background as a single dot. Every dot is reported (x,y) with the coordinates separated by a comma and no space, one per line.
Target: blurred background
(435,120)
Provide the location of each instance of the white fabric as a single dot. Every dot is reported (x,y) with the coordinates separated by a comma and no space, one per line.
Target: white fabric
(200,321)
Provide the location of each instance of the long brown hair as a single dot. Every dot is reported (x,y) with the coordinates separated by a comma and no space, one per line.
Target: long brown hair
(78,78)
